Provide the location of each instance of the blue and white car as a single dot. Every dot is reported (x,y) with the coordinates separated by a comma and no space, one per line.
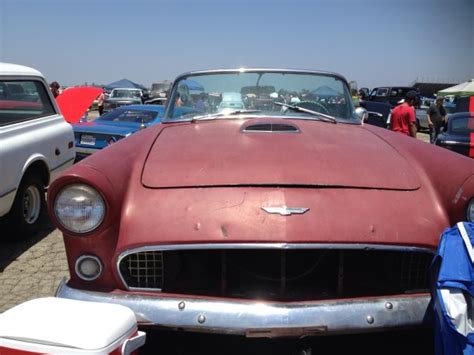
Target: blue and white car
(115,125)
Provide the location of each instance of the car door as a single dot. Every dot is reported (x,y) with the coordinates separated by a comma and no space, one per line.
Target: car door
(31,131)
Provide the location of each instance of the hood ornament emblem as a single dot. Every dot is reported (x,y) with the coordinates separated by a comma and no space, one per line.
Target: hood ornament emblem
(285,211)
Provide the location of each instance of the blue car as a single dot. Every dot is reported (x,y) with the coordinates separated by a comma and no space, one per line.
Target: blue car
(113,126)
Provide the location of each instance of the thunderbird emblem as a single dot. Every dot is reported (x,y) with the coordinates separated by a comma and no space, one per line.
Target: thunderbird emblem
(285,211)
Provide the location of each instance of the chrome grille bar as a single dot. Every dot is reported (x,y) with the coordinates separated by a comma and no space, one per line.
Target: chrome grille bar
(206,270)
(144,270)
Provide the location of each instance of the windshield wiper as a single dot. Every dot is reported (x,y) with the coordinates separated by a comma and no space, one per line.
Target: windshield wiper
(323,116)
(211,116)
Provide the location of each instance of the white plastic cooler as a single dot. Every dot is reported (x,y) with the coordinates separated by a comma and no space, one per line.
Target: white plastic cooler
(62,326)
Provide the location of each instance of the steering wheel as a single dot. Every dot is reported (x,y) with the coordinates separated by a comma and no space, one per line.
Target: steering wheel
(314,106)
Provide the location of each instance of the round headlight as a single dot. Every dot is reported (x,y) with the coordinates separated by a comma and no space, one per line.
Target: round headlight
(79,208)
(470,211)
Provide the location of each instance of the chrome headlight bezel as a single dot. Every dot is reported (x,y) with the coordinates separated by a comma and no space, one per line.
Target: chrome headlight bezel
(470,211)
(79,208)
(81,274)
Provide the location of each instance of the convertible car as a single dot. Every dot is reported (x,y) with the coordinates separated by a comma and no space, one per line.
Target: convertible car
(287,217)
(113,126)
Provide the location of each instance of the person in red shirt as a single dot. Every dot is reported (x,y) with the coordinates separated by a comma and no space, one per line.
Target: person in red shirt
(403,116)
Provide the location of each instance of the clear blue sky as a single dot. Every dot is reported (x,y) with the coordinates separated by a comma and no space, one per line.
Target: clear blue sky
(376,42)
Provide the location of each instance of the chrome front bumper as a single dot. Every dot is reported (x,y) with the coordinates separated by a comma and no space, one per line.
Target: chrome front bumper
(266,319)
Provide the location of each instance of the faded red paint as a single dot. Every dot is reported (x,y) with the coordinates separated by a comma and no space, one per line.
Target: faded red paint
(471,142)
(190,182)
(210,154)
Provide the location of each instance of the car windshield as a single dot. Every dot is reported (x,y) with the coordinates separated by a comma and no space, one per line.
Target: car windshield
(116,93)
(222,93)
(136,116)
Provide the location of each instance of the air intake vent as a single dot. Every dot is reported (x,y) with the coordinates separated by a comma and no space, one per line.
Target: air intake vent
(271,128)
(278,275)
(143,270)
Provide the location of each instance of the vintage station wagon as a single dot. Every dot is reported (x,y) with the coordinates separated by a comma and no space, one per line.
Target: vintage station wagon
(286,217)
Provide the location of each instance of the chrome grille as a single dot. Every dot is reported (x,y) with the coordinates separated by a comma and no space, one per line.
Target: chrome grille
(143,270)
(278,274)
(413,270)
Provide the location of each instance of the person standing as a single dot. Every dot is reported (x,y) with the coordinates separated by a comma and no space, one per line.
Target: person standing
(100,103)
(437,116)
(403,118)
(54,86)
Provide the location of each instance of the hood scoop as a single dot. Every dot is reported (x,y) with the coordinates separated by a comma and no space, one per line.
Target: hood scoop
(270,128)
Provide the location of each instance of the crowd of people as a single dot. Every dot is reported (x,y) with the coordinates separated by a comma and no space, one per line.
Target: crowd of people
(403,116)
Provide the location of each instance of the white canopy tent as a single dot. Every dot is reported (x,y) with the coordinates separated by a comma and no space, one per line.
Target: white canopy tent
(463,89)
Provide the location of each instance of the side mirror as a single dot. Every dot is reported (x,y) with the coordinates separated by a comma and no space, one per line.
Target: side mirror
(362,113)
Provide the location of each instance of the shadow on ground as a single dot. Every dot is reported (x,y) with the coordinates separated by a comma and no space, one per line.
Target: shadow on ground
(11,249)
(406,342)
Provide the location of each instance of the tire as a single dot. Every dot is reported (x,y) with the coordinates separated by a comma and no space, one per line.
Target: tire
(28,212)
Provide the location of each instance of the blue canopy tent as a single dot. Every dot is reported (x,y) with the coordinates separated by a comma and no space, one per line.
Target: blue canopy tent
(192,85)
(324,91)
(124,83)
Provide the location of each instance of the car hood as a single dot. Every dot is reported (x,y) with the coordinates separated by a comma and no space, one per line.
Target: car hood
(220,153)
(106,127)
(74,102)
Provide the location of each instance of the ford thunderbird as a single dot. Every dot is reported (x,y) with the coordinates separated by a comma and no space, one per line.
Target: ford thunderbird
(280,216)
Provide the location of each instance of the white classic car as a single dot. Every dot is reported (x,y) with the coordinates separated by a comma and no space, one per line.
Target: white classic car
(36,143)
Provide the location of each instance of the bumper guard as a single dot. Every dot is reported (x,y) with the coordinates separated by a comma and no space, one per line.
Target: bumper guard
(267,319)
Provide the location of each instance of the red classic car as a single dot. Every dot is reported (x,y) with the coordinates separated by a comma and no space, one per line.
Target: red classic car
(291,219)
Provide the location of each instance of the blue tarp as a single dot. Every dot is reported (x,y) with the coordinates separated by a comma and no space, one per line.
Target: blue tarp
(454,291)
(124,83)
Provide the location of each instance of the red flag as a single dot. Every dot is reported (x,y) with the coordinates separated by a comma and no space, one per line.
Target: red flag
(74,102)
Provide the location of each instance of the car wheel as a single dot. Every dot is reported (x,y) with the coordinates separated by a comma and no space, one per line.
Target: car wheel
(28,211)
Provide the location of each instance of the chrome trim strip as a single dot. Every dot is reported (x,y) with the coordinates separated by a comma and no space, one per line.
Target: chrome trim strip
(266,319)
(463,144)
(261,246)
(272,132)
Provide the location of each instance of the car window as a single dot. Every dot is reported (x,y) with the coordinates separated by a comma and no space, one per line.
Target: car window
(125,93)
(462,125)
(23,100)
(382,92)
(399,92)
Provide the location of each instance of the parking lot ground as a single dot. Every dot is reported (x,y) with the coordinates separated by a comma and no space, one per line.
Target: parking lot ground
(424,136)
(31,268)
(406,342)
